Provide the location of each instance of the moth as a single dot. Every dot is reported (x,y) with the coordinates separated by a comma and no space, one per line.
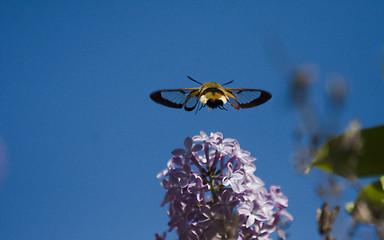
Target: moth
(210,94)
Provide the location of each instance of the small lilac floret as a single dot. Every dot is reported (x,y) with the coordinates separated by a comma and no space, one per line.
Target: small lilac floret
(189,149)
(212,192)
(242,155)
(198,188)
(235,179)
(277,196)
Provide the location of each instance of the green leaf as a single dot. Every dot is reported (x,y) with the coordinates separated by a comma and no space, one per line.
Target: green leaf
(353,154)
(369,205)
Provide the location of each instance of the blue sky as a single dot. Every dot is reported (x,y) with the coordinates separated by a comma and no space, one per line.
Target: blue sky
(84,142)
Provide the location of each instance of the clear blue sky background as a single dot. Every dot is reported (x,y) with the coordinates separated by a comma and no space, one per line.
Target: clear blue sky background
(83,140)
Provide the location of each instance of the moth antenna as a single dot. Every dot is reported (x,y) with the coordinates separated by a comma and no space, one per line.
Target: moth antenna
(227,83)
(194,80)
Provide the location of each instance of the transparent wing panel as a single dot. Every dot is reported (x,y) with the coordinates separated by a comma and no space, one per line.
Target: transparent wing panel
(191,103)
(246,96)
(175,96)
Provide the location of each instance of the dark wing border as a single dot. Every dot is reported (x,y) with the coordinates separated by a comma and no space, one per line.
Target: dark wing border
(263,98)
(158,98)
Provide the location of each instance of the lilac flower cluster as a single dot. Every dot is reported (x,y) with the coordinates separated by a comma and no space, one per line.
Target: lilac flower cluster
(215,195)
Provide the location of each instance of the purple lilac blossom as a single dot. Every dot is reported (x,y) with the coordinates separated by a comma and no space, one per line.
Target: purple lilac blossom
(213,193)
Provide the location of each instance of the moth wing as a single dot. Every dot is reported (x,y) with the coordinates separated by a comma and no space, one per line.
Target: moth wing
(192,100)
(247,98)
(177,98)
